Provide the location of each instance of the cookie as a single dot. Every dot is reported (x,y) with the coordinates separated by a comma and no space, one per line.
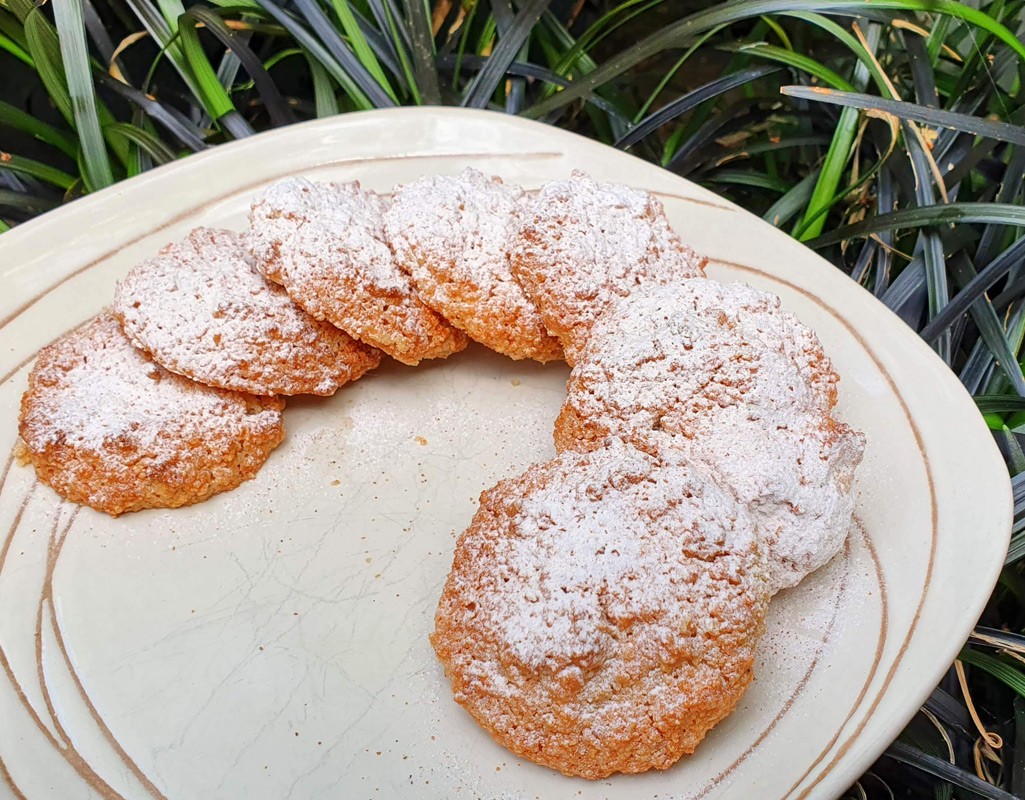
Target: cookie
(602,611)
(723,373)
(105,426)
(452,236)
(582,244)
(325,243)
(200,309)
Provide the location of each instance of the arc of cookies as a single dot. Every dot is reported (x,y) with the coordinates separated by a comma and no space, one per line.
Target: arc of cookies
(603,607)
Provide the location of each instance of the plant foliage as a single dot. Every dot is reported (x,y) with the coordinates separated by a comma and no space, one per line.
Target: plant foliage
(887,134)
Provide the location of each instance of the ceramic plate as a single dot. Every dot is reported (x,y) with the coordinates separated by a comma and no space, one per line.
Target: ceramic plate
(272,642)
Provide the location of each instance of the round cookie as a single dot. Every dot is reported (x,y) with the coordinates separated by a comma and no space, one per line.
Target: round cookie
(722,373)
(452,236)
(105,426)
(324,242)
(602,611)
(201,310)
(582,244)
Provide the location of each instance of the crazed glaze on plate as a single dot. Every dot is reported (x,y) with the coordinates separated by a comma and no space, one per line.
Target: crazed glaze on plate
(272,642)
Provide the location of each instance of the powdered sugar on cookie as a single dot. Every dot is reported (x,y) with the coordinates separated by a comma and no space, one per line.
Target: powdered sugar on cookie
(106,426)
(452,235)
(200,309)
(583,244)
(602,611)
(722,372)
(325,243)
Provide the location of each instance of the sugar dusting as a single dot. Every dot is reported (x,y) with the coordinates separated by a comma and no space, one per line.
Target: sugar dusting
(596,600)
(723,373)
(325,243)
(454,234)
(583,244)
(104,395)
(201,309)
(314,227)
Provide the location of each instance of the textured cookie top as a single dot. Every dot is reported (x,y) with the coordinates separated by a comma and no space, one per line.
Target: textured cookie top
(582,244)
(722,371)
(602,611)
(453,234)
(201,309)
(100,412)
(325,243)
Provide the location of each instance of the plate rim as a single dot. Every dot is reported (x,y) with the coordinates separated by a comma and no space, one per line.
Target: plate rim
(38,229)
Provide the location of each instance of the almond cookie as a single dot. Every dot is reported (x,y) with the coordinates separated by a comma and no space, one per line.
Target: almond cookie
(452,236)
(602,611)
(105,426)
(722,372)
(325,243)
(201,310)
(582,244)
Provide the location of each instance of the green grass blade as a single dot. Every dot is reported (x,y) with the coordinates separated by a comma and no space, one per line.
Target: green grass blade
(388,21)
(990,327)
(938,37)
(1002,671)
(400,42)
(795,60)
(1011,185)
(946,771)
(422,49)
(866,63)
(36,169)
(77,72)
(45,50)
(142,138)
(27,204)
(978,286)
(1002,131)
(671,73)
(776,143)
(840,149)
(601,27)
(949,214)
(15,50)
(324,100)
(722,14)
(19,120)
(167,116)
(999,403)
(938,292)
(779,30)
(369,89)
(520,69)
(759,180)
(484,83)
(275,104)
(690,101)
(360,45)
(164,33)
(830,177)
(318,51)
(215,99)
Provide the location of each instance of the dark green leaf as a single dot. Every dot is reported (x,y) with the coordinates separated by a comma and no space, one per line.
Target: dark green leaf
(947,771)
(949,214)
(44,172)
(1002,131)
(422,49)
(484,83)
(343,55)
(689,101)
(278,110)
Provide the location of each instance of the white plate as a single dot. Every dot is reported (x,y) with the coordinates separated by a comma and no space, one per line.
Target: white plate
(272,642)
